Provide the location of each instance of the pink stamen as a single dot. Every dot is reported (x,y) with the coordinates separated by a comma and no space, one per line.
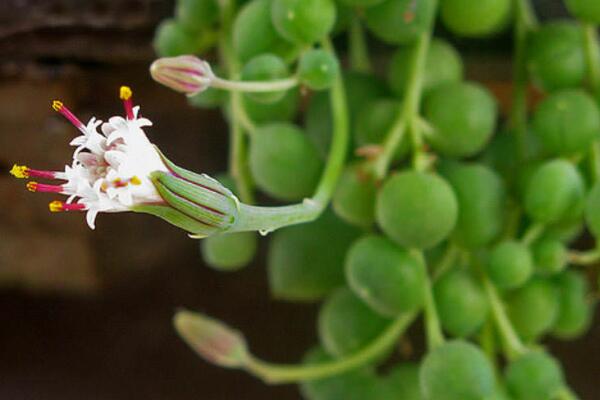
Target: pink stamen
(35,173)
(61,108)
(125,94)
(59,206)
(40,187)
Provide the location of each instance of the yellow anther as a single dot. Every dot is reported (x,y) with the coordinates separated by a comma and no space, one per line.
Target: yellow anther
(32,186)
(135,181)
(56,206)
(125,93)
(57,105)
(19,171)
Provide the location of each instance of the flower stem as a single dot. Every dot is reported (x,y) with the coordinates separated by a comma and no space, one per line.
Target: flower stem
(278,374)
(433,329)
(532,234)
(511,340)
(447,261)
(238,156)
(525,21)
(267,219)
(592,53)
(566,394)
(359,53)
(408,114)
(254,86)
(585,257)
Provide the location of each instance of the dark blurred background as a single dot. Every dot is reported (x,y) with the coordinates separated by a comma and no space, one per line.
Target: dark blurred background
(88,314)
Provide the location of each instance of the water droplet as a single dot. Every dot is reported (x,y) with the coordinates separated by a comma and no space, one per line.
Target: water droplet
(265,232)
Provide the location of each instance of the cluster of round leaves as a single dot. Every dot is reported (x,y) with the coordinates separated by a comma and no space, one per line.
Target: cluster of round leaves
(359,257)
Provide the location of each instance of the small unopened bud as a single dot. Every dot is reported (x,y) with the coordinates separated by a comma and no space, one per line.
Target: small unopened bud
(186,74)
(212,339)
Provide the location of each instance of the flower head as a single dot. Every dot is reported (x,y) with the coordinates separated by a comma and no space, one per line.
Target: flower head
(186,74)
(115,169)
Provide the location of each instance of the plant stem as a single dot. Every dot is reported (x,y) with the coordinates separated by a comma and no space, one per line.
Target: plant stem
(254,86)
(525,21)
(277,374)
(487,341)
(592,53)
(533,233)
(447,261)
(237,107)
(267,219)
(238,156)
(408,114)
(511,340)
(585,257)
(433,329)
(359,53)
(566,394)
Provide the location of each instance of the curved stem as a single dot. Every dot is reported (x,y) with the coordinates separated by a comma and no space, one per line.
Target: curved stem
(267,219)
(238,156)
(566,394)
(584,257)
(532,234)
(277,374)
(408,113)
(448,259)
(359,53)
(254,86)
(513,344)
(525,21)
(433,329)
(237,108)
(592,53)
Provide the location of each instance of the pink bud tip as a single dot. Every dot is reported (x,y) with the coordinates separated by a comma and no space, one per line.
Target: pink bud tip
(211,339)
(185,74)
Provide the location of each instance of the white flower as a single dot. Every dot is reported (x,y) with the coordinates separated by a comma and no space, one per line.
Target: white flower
(111,166)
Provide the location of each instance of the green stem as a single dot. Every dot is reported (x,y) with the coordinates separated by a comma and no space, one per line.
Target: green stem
(267,219)
(277,374)
(532,234)
(359,53)
(511,340)
(487,341)
(238,156)
(433,328)
(237,107)
(525,21)
(592,53)
(408,114)
(566,394)
(585,257)
(448,260)
(254,86)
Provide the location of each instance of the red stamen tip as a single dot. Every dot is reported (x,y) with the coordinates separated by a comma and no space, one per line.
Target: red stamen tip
(58,206)
(20,171)
(58,106)
(126,94)
(32,186)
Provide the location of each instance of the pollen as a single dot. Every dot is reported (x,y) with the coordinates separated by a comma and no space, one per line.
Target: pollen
(125,93)
(57,105)
(56,206)
(135,181)
(32,186)
(19,171)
